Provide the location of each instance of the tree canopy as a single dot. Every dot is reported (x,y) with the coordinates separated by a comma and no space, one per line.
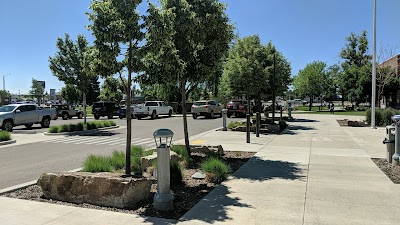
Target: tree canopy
(186,43)
(37,89)
(311,81)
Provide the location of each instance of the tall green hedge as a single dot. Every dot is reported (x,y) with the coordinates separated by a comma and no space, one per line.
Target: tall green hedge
(383,117)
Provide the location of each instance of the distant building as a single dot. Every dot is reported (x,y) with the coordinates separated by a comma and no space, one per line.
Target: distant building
(394,99)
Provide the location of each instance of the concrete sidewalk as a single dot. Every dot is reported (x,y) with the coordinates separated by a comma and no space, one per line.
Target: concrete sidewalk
(316,173)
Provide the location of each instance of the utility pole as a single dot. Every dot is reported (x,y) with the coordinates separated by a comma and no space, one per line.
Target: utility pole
(273,92)
(373,70)
(4,81)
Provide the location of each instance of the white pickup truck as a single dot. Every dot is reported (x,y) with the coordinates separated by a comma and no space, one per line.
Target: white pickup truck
(152,109)
(24,114)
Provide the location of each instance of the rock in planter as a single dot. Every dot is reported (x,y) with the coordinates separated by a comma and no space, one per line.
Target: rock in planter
(147,161)
(103,189)
(208,149)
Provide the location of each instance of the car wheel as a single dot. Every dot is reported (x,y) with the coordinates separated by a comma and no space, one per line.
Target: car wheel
(80,116)
(7,126)
(139,118)
(194,116)
(153,115)
(110,116)
(29,126)
(45,122)
(65,116)
(121,117)
(96,117)
(170,113)
(229,115)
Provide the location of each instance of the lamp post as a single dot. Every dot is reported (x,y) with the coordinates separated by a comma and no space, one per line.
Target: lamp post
(4,81)
(163,199)
(373,70)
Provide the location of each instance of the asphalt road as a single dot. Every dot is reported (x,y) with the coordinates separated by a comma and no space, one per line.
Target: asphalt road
(23,163)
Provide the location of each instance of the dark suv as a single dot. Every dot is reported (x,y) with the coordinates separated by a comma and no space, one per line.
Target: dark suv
(238,108)
(105,108)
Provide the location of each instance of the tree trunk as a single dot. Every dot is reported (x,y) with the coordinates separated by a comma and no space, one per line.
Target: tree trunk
(185,126)
(84,107)
(128,126)
(311,101)
(379,94)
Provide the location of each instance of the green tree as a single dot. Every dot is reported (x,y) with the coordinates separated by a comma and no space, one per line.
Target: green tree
(186,43)
(37,90)
(356,68)
(112,89)
(71,94)
(310,81)
(71,64)
(94,91)
(116,26)
(4,95)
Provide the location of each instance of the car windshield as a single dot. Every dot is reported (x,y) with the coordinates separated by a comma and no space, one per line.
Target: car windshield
(151,104)
(7,108)
(200,103)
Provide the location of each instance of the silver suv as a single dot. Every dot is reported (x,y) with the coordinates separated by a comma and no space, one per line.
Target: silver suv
(207,108)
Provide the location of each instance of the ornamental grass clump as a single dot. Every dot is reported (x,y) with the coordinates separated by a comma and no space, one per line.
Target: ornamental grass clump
(63,128)
(182,152)
(95,164)
(5,136)
(53,129)
(118,160)
(216,170)
(72,127)
(176,174)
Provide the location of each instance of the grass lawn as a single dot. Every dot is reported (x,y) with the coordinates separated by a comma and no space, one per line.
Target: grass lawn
(313,108)
(349,113)
(88,110)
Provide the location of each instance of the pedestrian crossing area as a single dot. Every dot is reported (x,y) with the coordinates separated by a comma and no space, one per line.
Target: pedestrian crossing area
(102,140)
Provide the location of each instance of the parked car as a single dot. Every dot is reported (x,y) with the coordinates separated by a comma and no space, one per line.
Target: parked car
(105,108)
(152,109)
(207,108)
(122,112)
(238,108)
(24,114)
(67,112)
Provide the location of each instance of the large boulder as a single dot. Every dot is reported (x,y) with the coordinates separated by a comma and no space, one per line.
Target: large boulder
(103,189)
(148,161)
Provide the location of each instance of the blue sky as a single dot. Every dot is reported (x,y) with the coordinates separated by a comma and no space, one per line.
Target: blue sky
(304,30)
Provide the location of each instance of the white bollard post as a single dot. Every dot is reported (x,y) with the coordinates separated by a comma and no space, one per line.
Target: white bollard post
(224,114)
(163,199)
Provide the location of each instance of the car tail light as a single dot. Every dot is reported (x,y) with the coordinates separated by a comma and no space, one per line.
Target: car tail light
(241,106)
(193,106)
(206,106)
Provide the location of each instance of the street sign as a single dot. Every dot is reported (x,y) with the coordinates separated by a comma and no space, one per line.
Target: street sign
(52,92)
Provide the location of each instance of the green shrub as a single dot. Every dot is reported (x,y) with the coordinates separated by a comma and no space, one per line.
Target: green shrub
(234,124)
(99,124)
(148,152)
(53,129)
(117,160)
(137,151)
(80,126)
(5,136)
(182,152)
(217,171)
(63,128)
(72,127)
(175,172)
(96,164)
(106,123)
(383,117)
(91,125)
(112,123)
(136,165)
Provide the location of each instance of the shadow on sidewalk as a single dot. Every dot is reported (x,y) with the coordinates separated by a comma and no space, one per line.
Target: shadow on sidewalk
(305,120)
(213,207)
(291,130)
(259,169)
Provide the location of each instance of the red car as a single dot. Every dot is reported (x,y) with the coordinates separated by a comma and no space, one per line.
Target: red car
(238,108)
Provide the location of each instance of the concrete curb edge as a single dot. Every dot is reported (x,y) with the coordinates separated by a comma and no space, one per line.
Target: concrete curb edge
(8,142)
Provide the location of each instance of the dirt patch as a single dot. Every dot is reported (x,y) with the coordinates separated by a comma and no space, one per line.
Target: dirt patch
(187,194)
(393,172)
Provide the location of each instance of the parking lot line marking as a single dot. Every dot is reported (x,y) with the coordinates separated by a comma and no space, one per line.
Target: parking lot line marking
(198,142)
(124,141)
(143,142)
(106,142)
(81,140)
(100,140)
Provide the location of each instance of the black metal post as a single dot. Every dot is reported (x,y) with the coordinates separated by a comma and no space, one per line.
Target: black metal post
(258,119)
(281,114)
(273,92)
(248,128)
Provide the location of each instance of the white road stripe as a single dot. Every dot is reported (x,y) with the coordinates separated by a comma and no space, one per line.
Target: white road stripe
(124,141)
(143,142)
(111,142)
(81,140)
(100,139)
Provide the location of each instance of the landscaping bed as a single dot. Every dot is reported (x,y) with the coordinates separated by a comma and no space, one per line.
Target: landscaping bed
(187,194)
(5,136)
(393,172)
(80,126)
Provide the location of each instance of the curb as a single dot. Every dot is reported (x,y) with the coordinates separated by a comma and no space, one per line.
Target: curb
(8,142)
(24,131)
(27,184)
(81,132)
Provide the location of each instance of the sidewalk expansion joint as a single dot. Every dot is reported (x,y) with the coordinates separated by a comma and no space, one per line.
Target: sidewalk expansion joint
(305,194)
